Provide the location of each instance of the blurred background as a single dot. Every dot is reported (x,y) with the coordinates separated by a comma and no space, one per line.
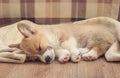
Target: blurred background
(56,11)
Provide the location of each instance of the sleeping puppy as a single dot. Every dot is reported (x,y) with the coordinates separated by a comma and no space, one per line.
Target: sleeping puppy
(10,50)
(90,39)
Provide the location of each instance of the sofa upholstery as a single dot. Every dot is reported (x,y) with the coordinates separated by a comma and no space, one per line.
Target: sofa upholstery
(56,11)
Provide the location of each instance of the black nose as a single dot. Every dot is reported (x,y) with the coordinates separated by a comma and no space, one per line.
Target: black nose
(48,59)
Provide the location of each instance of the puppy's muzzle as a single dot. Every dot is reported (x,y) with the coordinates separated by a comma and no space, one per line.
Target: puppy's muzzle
(49,57)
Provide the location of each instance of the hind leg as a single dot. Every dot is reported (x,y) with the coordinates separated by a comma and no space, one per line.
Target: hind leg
(113,53)
(93,54)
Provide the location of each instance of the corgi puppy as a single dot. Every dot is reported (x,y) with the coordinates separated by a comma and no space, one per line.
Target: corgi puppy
(12,51)
(88,39)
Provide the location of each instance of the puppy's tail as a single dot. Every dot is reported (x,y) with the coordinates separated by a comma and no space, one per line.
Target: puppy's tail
(105,21)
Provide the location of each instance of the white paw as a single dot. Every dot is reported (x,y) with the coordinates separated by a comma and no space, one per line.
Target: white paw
(75,56)
(64,57)
(92,55)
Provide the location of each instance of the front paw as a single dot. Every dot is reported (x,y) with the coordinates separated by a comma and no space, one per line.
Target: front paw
(64,57)
(75,56)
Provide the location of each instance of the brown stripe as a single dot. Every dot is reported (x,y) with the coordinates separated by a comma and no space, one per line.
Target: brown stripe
(38,20)
(100,1)
(15,20)
(5,1)
(74,5)
(7,21)
(105,1)
(83,1)
(55,0)
(82,8)
(48,0)
(65,20)
(119,14)
(22,7)
(30,8)
(48,20)
(5,9)
(2,22)
(52,0)
(54,20)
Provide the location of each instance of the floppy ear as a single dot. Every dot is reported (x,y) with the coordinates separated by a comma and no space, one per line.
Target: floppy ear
(26,30)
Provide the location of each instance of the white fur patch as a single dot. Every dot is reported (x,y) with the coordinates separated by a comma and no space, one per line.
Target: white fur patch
(63,55)
(49,53)
(75,55)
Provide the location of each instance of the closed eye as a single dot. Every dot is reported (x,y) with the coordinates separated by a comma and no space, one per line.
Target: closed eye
(39,48)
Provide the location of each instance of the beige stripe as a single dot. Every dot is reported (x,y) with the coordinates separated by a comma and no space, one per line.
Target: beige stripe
(115,9)
(15,8)
(1,11)
(100,9)
(91,9)
(107,10)
(55,12)
(65,10)
(116,1)
(48,9)
(55,9)
(6,10)
(40,9)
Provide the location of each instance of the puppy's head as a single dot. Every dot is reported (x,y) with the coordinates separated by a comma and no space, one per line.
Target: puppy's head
(35,42)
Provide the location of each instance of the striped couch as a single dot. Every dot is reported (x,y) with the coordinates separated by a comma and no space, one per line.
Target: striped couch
(56,11)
